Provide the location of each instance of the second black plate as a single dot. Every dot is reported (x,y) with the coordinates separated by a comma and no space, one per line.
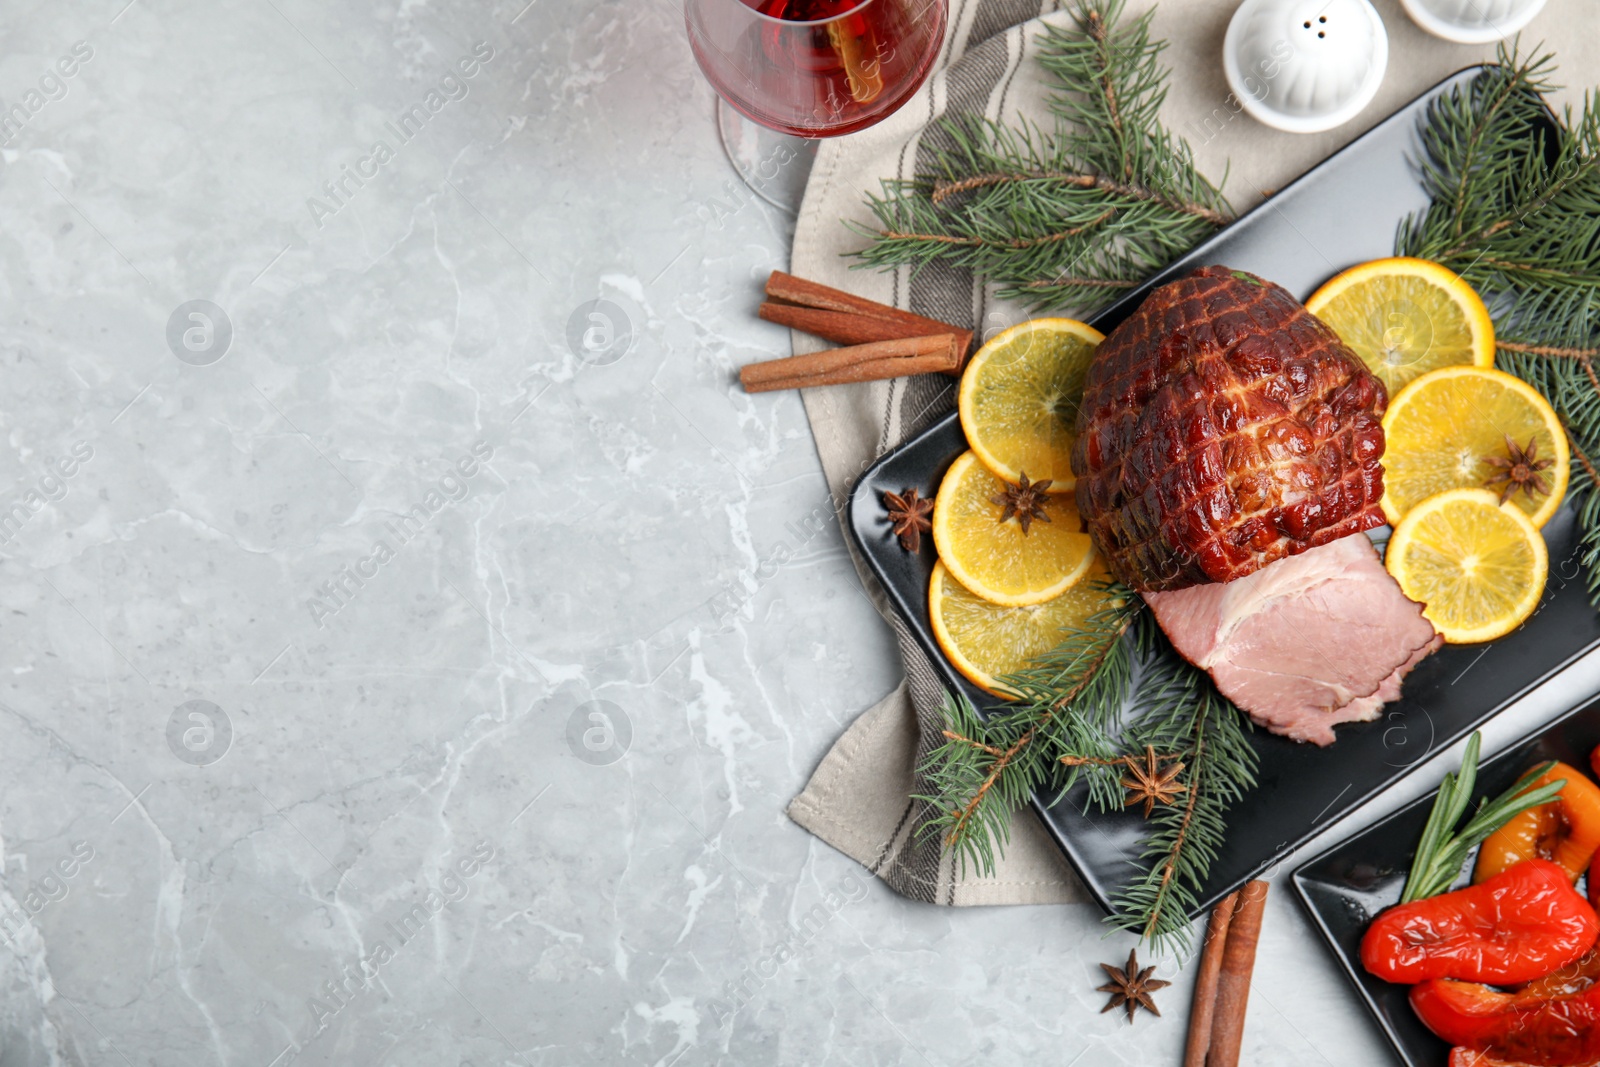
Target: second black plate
(1344,212)
(1344,888)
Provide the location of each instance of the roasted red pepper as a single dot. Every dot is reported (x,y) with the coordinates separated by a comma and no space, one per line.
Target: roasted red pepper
(1520,925)
(1568,981)
(1594,881)
(1566,830)
(1518,1027)
(1564,981)
(1471,1057)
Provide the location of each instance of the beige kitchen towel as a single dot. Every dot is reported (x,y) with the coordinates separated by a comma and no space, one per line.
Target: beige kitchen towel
(860,797)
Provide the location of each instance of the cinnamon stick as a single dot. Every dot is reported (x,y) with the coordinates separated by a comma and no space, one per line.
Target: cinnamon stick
(870,371)
(1233,981)
(792,290)
(856,363)
(1202,1010)
(849,327)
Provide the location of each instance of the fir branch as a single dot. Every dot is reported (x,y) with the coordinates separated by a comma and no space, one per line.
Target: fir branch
(944,190)
(1015,242)
(1515,210)
(1066,217)
(1094,761)
(1086,283)
(985,770)
(1161,905)
(1583,460)
(1100,33)
(979,745)
(1087,712)
(1548,350)
(1185,715)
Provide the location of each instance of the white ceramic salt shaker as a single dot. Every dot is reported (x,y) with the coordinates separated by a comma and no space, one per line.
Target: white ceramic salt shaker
(1472,21)
(1305,65)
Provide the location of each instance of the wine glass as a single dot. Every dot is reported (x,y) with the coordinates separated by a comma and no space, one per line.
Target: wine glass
(788,72)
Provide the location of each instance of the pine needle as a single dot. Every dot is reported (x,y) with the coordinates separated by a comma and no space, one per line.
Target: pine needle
(1516,211)
(985,770)
(1109,691)
(1072,216)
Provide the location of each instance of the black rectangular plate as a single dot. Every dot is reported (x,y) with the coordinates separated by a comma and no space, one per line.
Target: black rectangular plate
(1346,886)
(1343,212)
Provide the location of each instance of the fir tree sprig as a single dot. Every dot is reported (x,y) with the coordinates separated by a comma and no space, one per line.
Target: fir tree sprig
(1182,713)
(1068,700)
(1069,217)
(1111,690)
(1516,211)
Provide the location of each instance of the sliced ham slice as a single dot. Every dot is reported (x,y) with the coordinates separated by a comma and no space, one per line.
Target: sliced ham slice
(1306,642)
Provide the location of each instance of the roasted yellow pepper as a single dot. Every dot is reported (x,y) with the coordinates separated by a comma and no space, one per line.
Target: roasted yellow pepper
(1565,831)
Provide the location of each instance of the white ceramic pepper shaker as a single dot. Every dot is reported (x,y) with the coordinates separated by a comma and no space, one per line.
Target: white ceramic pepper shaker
(1472,21)
(1305,65)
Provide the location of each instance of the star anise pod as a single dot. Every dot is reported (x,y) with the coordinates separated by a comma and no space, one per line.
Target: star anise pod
(1131,987)
(1150,784)
(910,515)
(1520,469)
(1025,500)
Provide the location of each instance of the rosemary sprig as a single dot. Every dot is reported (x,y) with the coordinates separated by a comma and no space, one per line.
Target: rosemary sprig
(1443,849)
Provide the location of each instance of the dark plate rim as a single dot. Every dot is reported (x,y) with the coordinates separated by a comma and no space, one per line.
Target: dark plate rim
(1301,880)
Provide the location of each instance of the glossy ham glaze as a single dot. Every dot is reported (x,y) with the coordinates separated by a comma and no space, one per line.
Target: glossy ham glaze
(1223,426)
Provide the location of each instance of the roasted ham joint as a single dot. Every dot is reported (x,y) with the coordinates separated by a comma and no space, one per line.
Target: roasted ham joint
(1228,466)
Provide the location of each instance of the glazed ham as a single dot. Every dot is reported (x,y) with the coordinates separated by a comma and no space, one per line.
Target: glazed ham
(1227,462)
(1223,427)
(1305,643)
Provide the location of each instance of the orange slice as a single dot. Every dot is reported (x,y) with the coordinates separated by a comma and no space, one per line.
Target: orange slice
(995,555)
(1405,317)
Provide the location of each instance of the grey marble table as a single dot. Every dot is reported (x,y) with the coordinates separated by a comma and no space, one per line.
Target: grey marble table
(395,668)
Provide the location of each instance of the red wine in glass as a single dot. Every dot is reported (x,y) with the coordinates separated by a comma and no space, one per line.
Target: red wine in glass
(815,68)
